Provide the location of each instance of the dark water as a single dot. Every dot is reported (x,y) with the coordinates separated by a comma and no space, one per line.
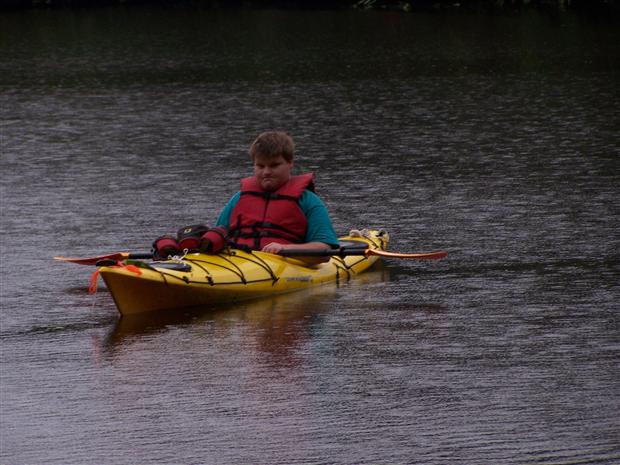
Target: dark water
(494,138)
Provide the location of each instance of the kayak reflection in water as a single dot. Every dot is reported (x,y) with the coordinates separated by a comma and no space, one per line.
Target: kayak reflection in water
(272,211)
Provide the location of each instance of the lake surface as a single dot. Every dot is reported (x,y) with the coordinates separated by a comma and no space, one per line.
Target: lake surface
(494,138)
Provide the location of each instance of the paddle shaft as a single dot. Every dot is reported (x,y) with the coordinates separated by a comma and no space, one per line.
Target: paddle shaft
(139,256)
(345,252)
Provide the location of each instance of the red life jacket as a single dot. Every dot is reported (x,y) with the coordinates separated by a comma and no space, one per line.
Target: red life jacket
(261,217)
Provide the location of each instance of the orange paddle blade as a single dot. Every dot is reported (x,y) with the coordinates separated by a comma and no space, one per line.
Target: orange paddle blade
(418,256)
(118,256)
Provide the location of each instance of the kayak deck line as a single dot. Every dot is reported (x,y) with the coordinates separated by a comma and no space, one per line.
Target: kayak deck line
(258,261)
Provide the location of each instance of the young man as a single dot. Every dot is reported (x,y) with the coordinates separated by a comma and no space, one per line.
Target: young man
(275,210)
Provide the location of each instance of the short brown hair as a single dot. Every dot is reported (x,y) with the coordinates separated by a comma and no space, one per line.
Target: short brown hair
(271,144)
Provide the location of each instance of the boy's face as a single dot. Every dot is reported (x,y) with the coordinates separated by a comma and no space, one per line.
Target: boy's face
(271,173)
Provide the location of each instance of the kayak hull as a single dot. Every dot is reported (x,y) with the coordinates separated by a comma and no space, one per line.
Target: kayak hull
(228,277)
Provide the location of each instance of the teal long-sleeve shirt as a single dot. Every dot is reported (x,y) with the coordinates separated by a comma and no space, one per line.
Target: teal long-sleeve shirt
(319,229)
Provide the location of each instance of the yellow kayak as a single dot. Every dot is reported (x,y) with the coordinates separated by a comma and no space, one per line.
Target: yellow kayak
(230,276)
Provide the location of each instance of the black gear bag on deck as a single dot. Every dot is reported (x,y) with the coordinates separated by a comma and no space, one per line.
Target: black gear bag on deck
(189,237)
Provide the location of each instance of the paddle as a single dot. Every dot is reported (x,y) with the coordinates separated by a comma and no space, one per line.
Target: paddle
(340,252)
